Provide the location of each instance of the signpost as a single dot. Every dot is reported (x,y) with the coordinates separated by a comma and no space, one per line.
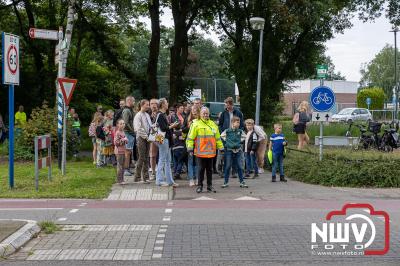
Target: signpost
(10,74)
(322,71)
(67,87)
(321,117)
(43,34)
(322,99)
(368,102)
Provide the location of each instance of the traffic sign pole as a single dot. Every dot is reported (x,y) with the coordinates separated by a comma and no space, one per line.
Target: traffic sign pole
(321,132)
(11,135)
(60,100)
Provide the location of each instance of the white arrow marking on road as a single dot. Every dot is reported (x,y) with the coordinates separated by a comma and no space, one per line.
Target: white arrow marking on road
(203,198)
(247,198)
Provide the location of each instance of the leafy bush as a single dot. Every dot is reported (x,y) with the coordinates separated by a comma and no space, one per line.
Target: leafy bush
(43,121)
(377,96)
(345,168)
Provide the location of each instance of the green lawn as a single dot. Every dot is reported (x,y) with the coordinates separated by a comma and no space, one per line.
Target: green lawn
(82,180)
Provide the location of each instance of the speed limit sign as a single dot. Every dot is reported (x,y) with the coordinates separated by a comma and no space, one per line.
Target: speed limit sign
(10,58)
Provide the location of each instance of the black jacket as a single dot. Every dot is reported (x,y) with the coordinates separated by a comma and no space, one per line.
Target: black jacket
(252,143)
(164,126)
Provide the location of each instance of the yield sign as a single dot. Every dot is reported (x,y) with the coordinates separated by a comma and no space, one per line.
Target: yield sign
(67,87)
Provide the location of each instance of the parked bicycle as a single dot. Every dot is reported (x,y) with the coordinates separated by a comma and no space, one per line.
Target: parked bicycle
(390,138)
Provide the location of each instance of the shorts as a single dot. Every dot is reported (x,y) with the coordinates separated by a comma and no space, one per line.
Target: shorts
(299,129)
(93,140)
(131,141)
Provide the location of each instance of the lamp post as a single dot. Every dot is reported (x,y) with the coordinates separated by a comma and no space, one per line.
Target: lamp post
(396,88)
(257,23)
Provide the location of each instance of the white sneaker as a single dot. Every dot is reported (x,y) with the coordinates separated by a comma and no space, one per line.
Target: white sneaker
(260,171)
(191,183)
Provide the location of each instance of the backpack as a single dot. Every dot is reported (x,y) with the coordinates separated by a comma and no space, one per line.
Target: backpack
(117,116)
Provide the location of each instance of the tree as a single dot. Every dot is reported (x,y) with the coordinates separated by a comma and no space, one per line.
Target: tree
(154,46)
(294,34)
(379,71)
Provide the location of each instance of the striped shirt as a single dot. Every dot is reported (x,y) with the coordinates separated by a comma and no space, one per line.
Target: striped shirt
(277,143)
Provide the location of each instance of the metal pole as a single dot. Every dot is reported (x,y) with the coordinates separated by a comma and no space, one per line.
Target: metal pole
(49,155)
(64,143)
(215,90)
(321,132)
(11,135)
(395,74)
(36,164)
(59,98)
(258,95)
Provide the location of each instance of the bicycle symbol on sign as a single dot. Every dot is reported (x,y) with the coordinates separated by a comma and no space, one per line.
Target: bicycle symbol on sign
(322,97)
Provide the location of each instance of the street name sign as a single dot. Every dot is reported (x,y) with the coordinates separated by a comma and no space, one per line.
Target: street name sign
(43,34)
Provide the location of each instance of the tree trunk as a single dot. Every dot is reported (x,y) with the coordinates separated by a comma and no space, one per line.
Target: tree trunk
(68,33)
(154,48)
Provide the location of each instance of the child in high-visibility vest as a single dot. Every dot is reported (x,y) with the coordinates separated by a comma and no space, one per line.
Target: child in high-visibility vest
(234,138)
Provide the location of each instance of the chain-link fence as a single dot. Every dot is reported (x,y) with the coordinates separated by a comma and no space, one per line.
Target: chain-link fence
(212,89)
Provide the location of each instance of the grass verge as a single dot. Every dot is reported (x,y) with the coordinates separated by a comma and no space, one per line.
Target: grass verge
(344,168)
(48,227)
(82,180)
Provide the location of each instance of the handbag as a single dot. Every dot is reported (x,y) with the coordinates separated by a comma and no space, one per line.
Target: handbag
(156,135)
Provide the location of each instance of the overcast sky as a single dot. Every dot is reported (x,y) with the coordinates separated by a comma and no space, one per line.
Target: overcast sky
(348,51)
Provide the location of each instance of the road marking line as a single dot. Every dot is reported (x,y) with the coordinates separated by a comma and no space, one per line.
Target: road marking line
(62,219)
(162,230)
(82,204)
(166,219)
(157,256)
(158,248)
(74,211)
(168,210)
(160,235)
(28,209)
(160,241)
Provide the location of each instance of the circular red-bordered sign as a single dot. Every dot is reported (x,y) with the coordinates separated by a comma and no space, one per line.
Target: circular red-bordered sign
(12,55)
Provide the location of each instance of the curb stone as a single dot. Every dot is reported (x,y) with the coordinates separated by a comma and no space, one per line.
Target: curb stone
(19,238)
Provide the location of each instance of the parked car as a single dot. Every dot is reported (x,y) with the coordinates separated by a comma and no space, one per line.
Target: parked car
(352,114)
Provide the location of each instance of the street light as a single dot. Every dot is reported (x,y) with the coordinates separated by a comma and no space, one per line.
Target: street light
(396,89)
(257,23)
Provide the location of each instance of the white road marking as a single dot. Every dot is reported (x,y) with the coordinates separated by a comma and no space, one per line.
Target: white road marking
(160,235)
(82,204)
(247,198)
(157,256)
(29,209)
(62,219)
(170,203)
(168,210)
(74,211)
(158,248)
(166,218)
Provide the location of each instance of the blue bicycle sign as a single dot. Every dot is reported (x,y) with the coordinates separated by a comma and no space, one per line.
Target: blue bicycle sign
(322,99)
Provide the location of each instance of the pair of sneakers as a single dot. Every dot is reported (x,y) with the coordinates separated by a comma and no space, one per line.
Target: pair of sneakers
(242,185)
(209,189)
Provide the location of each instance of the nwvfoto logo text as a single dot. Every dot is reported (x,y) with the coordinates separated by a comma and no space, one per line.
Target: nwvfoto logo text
(351,234)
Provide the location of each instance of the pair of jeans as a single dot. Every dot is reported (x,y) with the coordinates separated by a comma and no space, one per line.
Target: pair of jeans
(251,163)
(192,167)
(277,162)
(232,159)
(179,156)
(164,163)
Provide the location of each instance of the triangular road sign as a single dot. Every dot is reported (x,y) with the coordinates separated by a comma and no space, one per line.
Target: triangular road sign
(67,87)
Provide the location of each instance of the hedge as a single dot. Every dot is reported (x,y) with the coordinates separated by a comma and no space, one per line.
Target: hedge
(345,168)
(377,96)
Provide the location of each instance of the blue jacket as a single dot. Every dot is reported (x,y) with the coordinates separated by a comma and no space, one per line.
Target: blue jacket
(224,120)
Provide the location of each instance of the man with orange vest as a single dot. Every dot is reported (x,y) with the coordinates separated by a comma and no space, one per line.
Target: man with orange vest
(203,140)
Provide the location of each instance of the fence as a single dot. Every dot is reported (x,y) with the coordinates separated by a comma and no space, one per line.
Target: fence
(212,89)
(384,115)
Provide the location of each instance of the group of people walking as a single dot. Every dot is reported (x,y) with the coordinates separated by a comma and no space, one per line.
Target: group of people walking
(161,142)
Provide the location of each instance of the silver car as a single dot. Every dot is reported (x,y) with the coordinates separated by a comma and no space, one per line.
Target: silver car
(352,114)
